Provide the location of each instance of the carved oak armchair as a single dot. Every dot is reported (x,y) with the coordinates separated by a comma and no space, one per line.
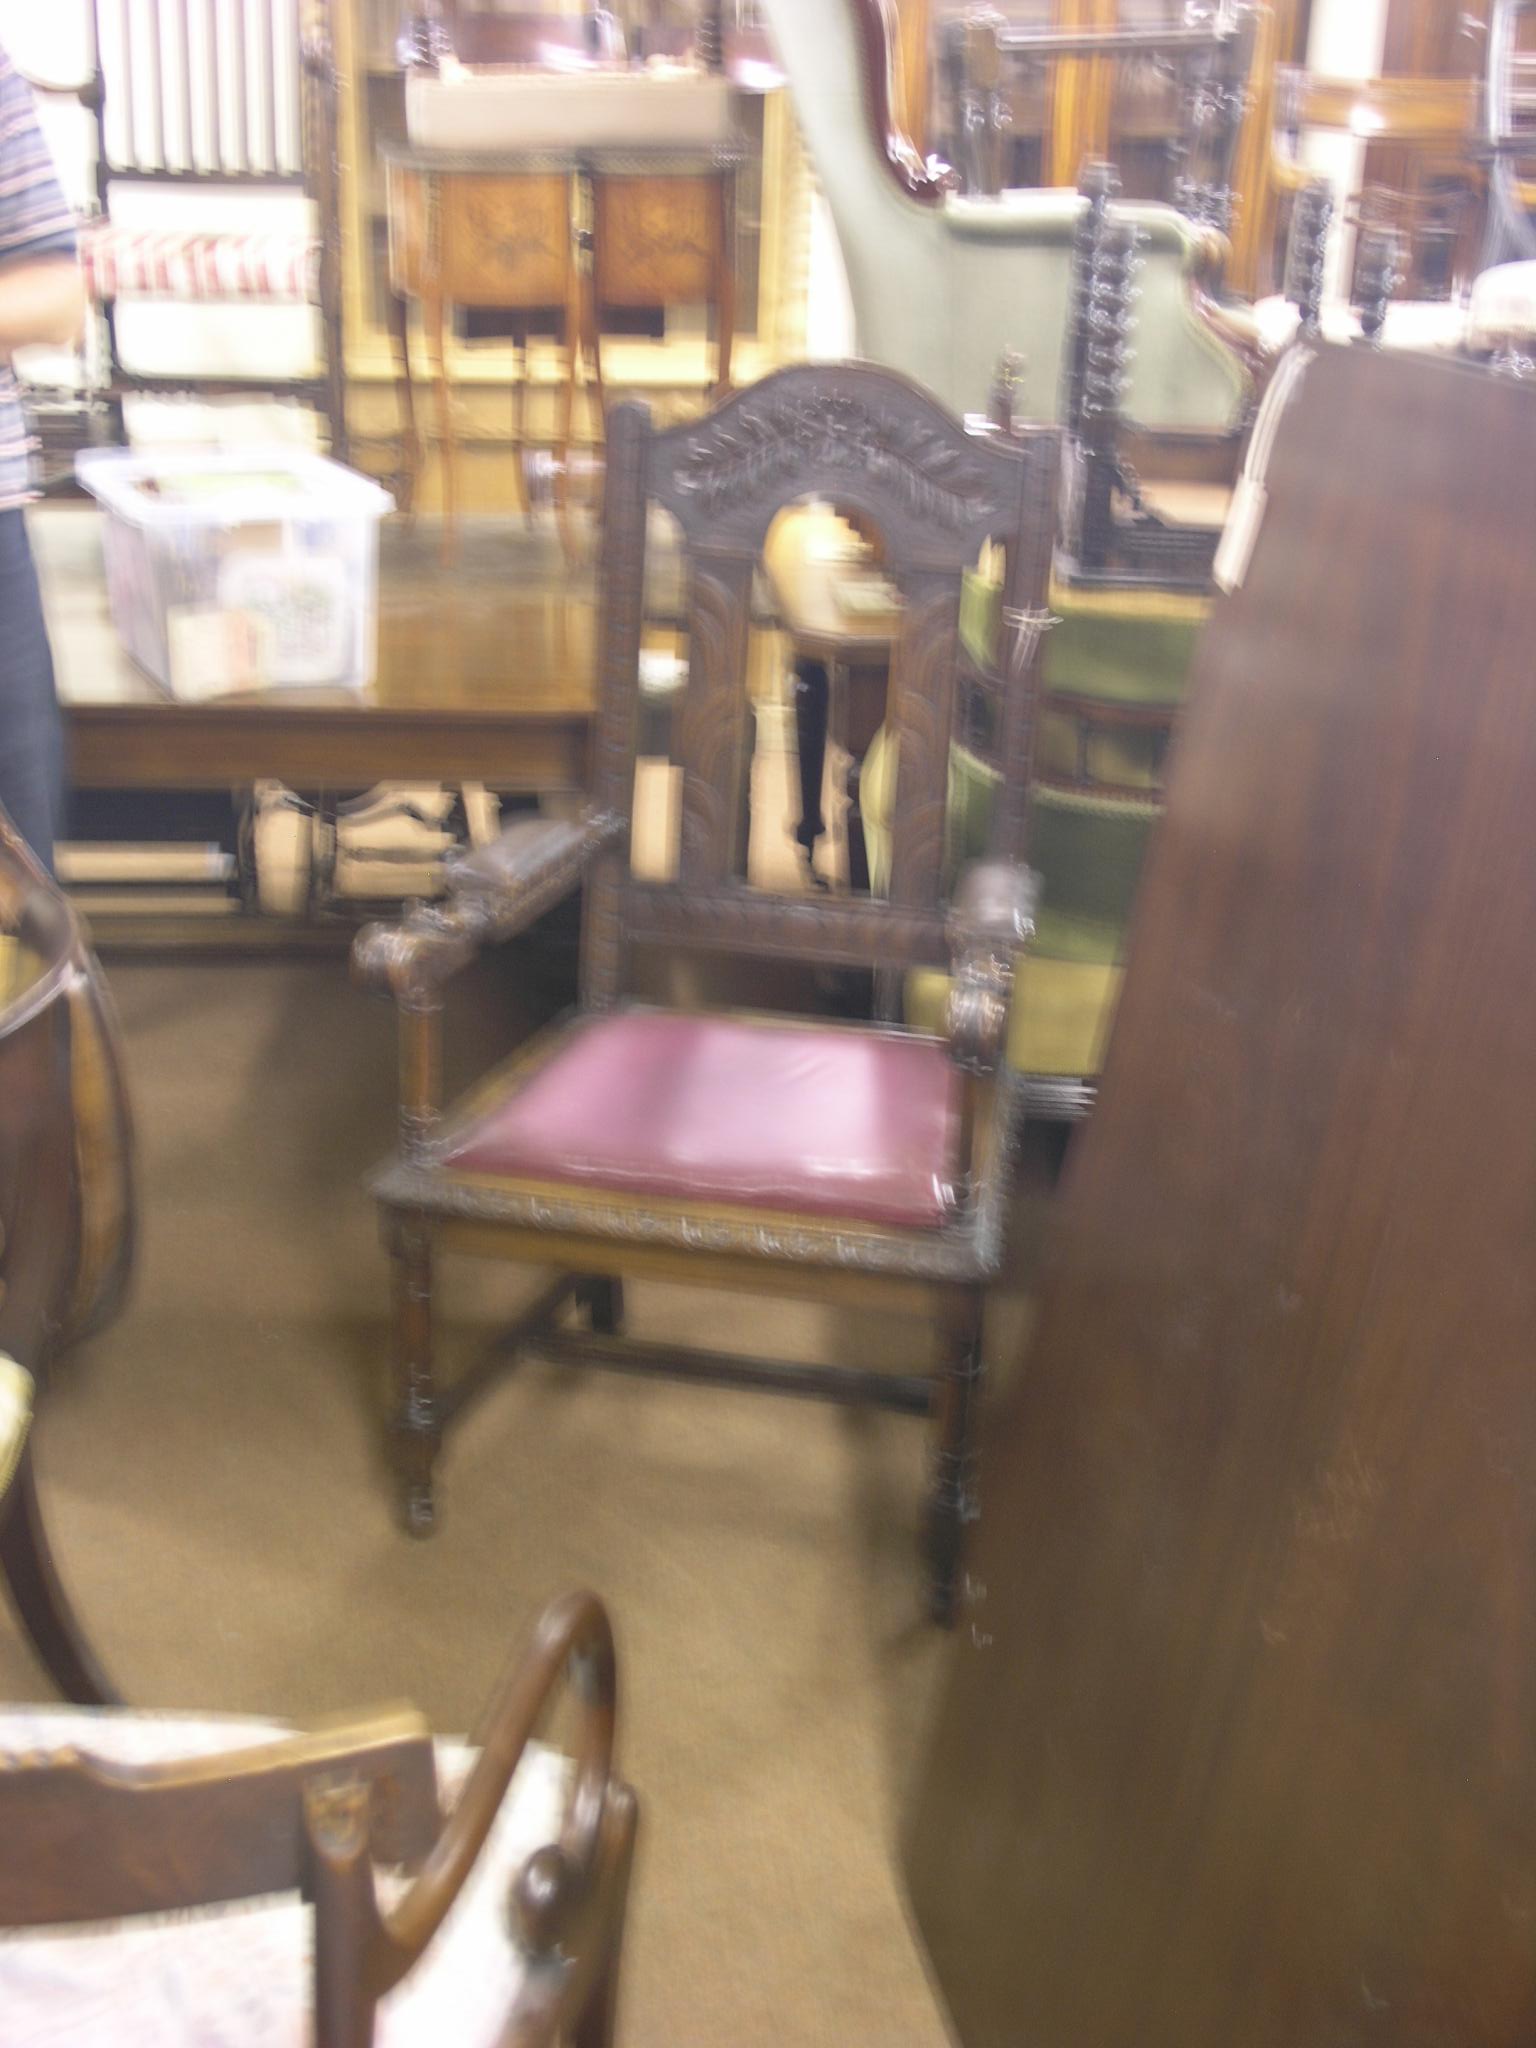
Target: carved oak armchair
(857,1164)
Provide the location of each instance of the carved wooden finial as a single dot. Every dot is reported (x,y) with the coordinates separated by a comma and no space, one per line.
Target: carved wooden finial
(1379,260)
(1003,401)
(1306,253)
(709,37)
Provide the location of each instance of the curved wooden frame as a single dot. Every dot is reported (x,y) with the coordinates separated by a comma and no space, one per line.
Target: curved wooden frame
(1511,233)
(66,1211)
(567,1904)
(314,1813)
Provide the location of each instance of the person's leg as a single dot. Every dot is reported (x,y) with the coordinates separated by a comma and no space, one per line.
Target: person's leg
(31,726)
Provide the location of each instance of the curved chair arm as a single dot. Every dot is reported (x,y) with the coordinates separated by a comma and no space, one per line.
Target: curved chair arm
(991,918)
(492,894)
(566,1903)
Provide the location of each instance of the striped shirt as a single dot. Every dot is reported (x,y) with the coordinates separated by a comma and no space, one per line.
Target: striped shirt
(34,221)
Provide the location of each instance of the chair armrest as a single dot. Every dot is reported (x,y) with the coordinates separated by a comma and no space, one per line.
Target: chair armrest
(492,894)
(991,917)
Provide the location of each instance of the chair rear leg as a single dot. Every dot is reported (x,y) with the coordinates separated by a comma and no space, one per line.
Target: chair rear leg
(603,1301)
(952,1497)
(416,1423)
(32,1580)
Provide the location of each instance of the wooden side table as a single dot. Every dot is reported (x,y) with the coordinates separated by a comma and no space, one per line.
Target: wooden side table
(662,234)
(497,232)
(483,233)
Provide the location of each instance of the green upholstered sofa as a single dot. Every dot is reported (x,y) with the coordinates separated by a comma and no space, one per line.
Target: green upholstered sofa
(1114,674)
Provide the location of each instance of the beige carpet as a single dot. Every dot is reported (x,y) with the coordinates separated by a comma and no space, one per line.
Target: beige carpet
(212,1468)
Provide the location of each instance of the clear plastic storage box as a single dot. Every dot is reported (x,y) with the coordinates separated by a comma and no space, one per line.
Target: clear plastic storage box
(229,570)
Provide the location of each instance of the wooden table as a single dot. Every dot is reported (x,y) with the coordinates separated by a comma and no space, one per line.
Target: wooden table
(485,682)
(576,231)
(842,660)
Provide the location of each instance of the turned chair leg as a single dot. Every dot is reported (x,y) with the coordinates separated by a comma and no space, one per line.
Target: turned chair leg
(603,1301)
(416,1424)
(32,1579)
(952,1498)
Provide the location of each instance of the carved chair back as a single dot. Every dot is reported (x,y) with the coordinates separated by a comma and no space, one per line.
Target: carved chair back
(66,1197)
(874,445)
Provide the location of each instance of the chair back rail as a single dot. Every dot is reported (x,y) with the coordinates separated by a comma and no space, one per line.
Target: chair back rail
(871,443)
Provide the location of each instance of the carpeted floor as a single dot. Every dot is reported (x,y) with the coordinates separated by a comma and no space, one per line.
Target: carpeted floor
(213,1472)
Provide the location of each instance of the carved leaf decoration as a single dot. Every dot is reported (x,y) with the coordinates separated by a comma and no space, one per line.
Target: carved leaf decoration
(758,449)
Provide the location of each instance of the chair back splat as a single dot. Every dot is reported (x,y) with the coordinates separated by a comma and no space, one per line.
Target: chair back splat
(873,444)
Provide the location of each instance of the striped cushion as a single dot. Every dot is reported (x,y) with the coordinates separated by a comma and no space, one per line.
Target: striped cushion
(170,263)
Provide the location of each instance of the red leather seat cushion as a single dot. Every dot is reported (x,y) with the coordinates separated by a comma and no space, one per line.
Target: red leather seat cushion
(722,1109)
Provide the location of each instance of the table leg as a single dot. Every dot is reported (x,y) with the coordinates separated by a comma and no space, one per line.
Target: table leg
(725,287)
(436,312)
(812,695)
(520,414)
(410,438)
(592,345)
(562,448)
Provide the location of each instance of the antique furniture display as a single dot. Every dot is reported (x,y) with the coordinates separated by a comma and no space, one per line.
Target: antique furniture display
(190,103)
(66,1217)
(1169,538)
(503,232)
(1418,174)
(1510,132)
(1502,313)
(1167,100)
(990,273)
(478,233)
(126,1835)
(524,89)
(1238,1744)
(840,1162)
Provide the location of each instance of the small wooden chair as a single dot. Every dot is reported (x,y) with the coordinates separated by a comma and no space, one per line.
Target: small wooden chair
(114,1818)
(66,1216)
(857,1165)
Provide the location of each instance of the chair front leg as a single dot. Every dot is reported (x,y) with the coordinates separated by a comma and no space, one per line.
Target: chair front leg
(952,1497)
(416,1423)
(604,1302)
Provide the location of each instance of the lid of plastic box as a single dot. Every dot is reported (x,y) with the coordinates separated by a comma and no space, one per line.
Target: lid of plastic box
(226,486)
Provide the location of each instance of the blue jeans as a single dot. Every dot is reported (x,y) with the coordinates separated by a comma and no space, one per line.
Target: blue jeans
(31,726)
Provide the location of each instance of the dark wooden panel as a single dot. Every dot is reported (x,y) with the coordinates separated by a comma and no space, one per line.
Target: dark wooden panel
(1240,1748)
(195,746)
